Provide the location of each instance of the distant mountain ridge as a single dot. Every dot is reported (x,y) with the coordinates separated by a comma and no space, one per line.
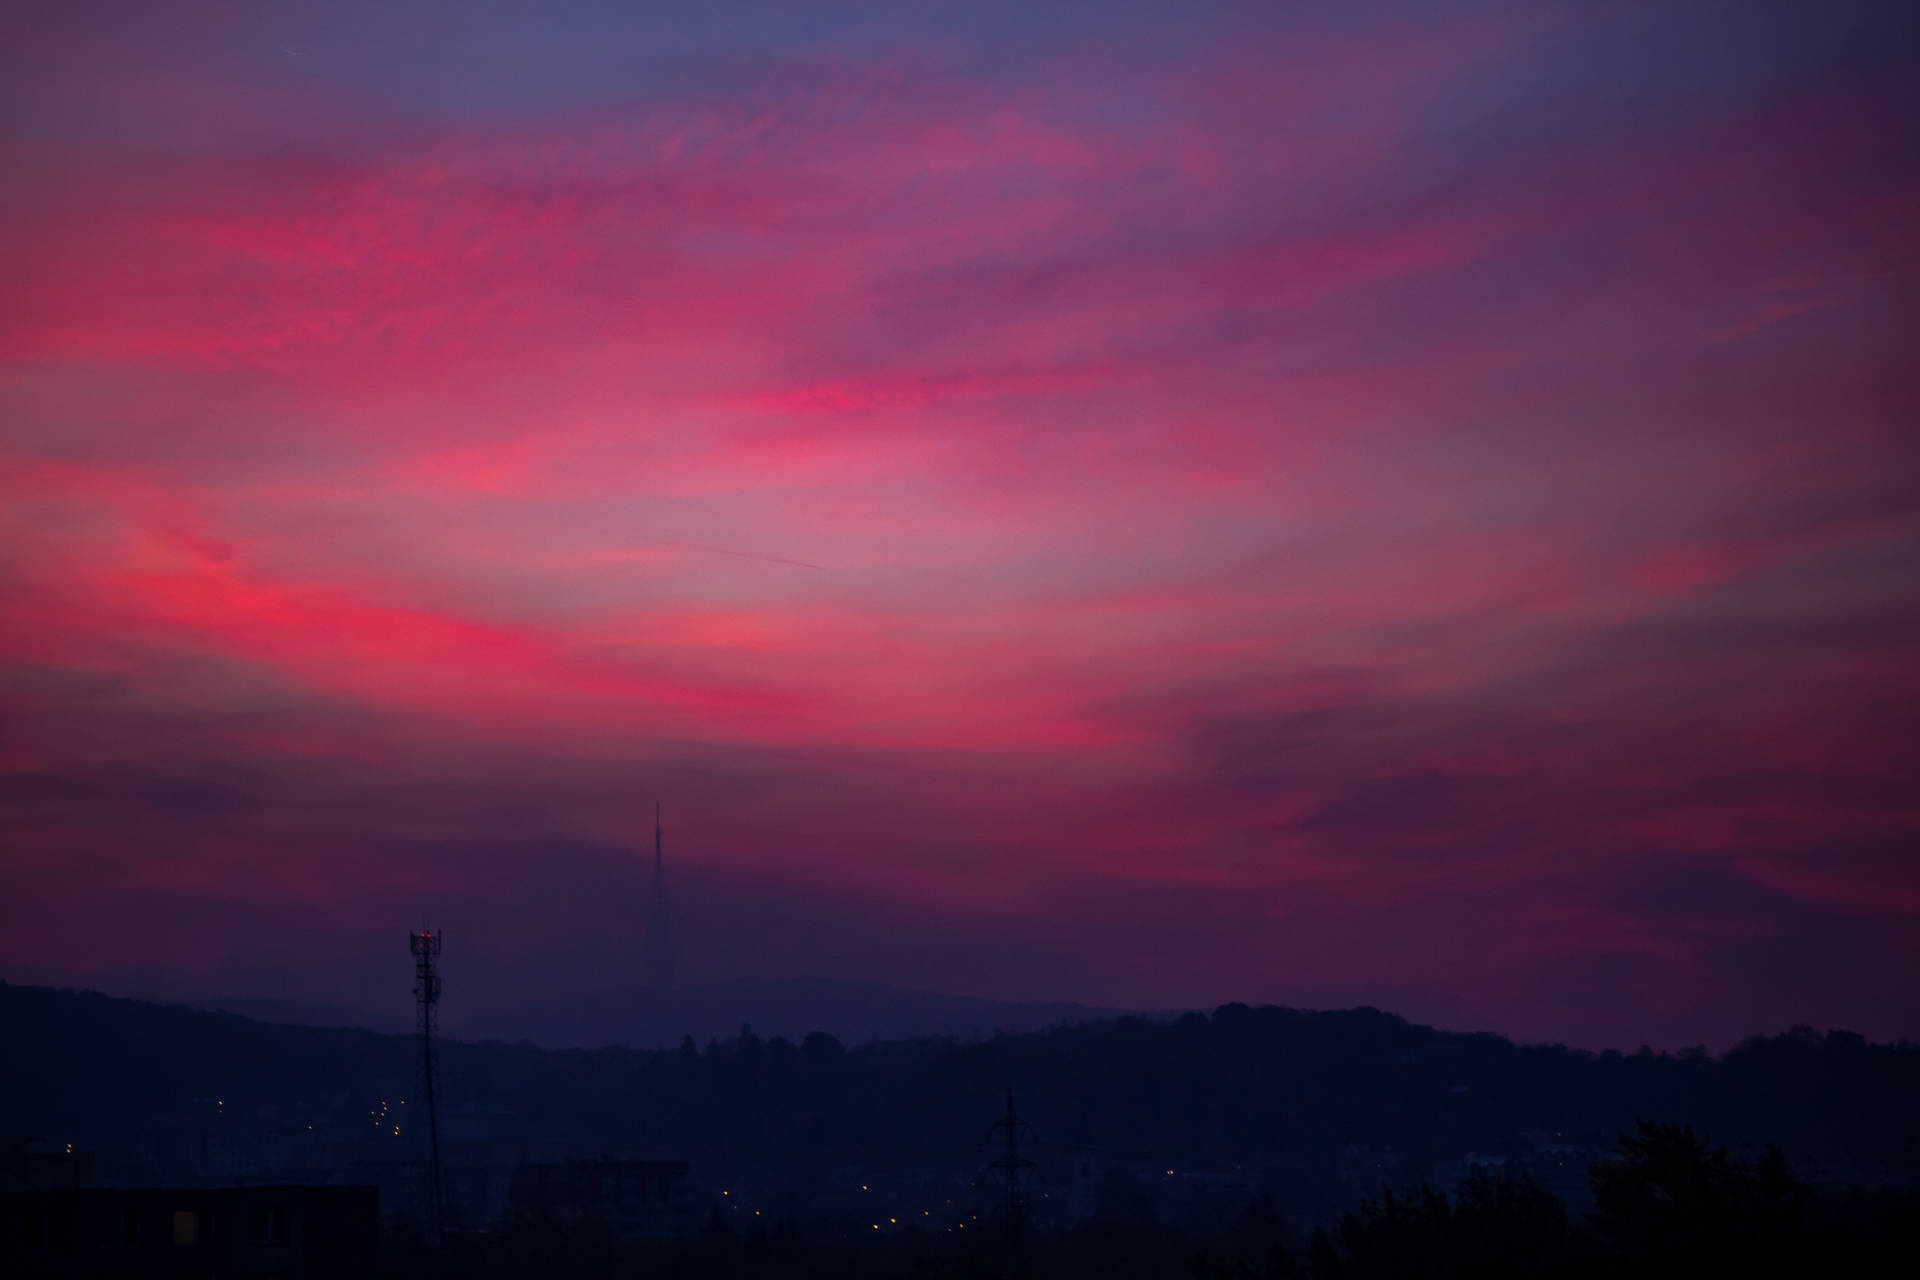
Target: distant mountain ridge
(301,1013)
(853,1011)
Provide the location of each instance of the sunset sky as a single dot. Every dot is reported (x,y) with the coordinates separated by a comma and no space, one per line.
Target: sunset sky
(1149,504)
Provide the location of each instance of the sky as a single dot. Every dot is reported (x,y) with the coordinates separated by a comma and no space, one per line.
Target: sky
(1148,504)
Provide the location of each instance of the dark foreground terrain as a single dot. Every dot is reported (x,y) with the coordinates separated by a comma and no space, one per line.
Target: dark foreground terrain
(1255,1141)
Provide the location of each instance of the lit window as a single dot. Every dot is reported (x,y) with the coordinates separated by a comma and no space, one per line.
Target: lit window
(192,1226)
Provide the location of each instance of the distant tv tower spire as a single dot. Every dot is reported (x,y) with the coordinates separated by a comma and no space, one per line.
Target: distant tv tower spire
(659,922)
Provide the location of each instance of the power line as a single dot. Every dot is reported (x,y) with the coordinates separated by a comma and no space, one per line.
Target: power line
(1011,1163)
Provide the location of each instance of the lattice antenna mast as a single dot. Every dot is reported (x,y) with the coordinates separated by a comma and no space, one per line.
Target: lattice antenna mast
(1011,1127)
(425,946)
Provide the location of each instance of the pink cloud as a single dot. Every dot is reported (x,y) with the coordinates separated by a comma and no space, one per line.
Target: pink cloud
(1194,498)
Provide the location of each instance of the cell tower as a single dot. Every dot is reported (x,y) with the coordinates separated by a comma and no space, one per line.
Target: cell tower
(659,921)
(1011,1164)
(425,946)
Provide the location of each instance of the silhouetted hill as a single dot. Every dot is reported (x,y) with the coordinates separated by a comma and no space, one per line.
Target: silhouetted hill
(302,1013)
(1316,1107)
(856,1012)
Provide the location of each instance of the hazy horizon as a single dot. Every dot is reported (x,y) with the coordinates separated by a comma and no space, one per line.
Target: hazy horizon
(392,1015)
